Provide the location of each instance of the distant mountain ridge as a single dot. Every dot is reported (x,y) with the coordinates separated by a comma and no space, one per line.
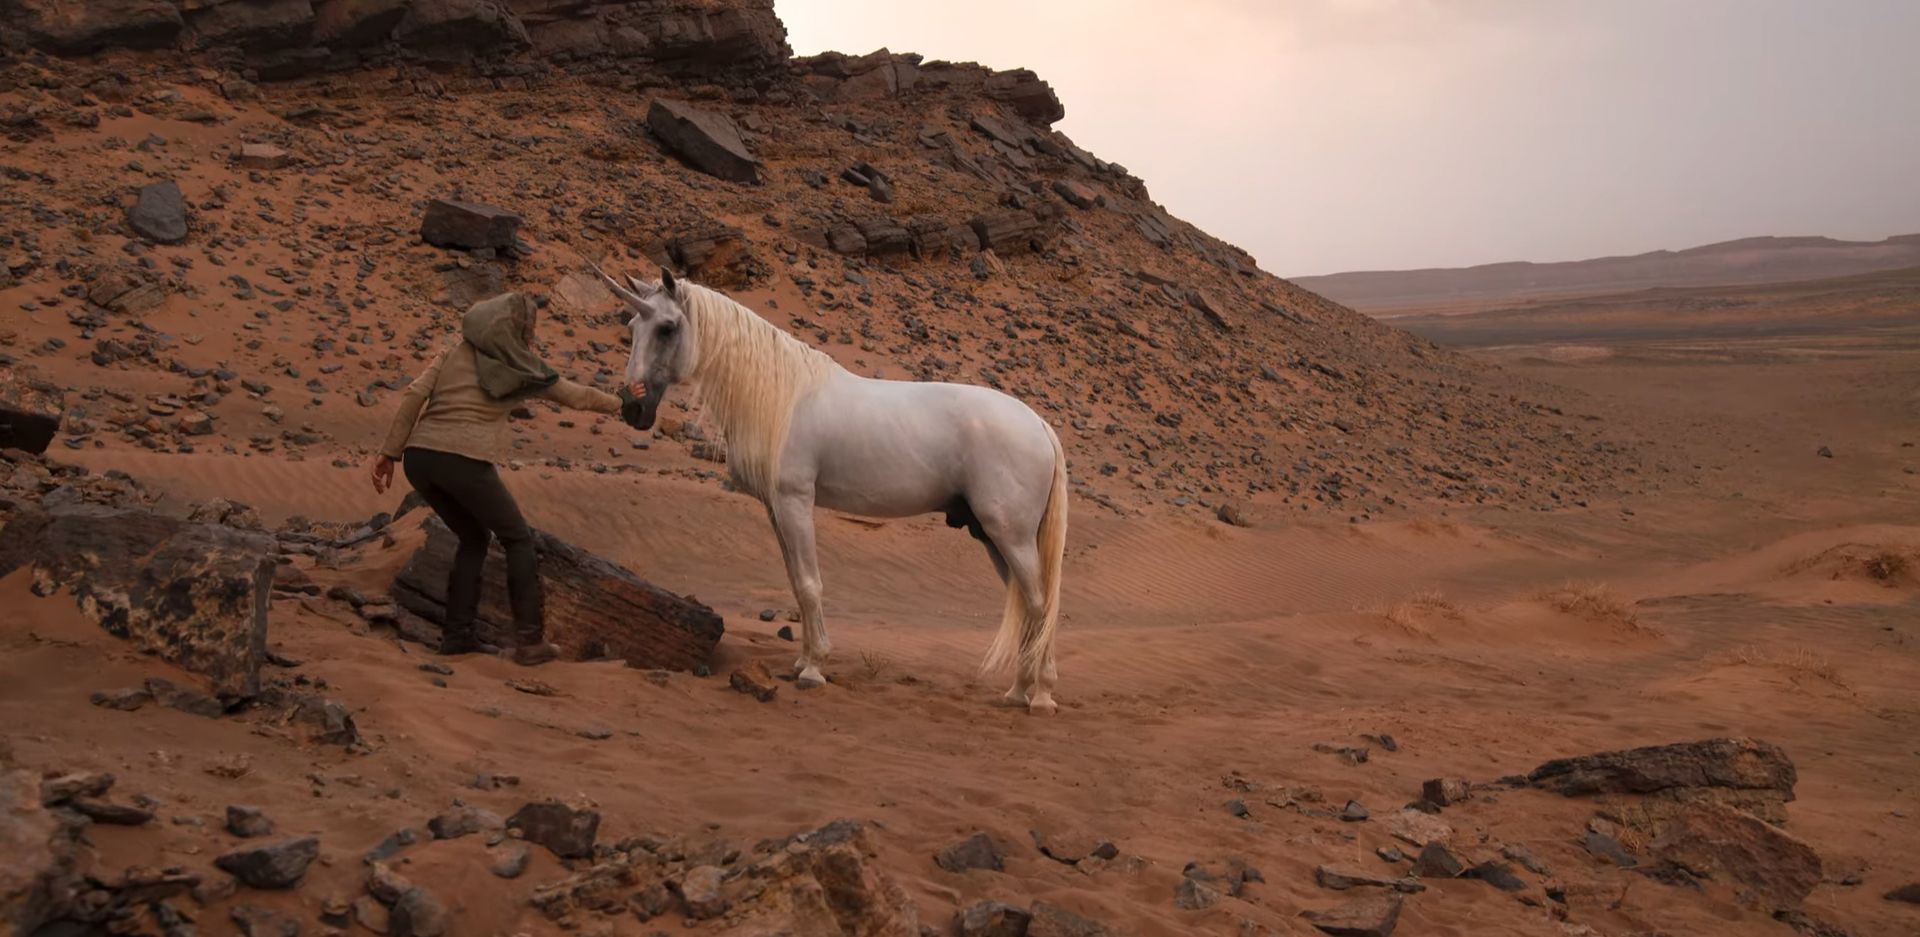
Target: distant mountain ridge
(1742,261)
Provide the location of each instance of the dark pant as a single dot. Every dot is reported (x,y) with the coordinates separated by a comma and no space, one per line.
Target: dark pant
(469,496)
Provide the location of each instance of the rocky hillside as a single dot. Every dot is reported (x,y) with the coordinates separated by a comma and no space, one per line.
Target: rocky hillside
(214,238)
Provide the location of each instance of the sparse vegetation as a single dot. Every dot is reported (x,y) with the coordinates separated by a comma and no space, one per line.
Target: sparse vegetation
(1887,565)
(1797,663)
(1406,613)
(1594,602)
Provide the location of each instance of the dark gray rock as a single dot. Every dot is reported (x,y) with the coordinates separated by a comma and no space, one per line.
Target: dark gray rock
(160,213)
(247,822)
(417,914)
(1437,861)
(565,831)
(510,860)
(707,141)
(277,865)
(1049,920)
(992,919)
(469,225)
(1498,874)
(255,921)
(975,852)
(464,820)
(67,27)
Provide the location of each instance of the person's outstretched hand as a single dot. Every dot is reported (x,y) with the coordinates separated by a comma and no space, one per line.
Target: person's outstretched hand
(382,474)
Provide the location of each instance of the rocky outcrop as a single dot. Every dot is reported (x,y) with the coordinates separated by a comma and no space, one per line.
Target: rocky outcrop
(39,872)
(594,608)
(288,38)
(836,76)
(192,594)
(1747,774)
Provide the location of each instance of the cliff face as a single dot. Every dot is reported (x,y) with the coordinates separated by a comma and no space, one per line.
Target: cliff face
(286,38)
(911,218)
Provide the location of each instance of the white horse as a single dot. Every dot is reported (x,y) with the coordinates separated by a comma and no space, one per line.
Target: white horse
(802,431)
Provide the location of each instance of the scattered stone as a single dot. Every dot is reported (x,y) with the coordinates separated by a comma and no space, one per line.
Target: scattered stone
(1072,846)
(510,859)
(469,225)
(1373,916)
(1525,858)
(1824,452)
(278,865)
(464,820)
(1908,893)
(391,846)
(255,921)
(700,892)
(1195,895)
(1437,861)
(1497,874)
(160,213)
(386,885)
(1601,846)
(1391,854)
(707,141)
(1238,808)
(1076,194)
(417,914)
(1049,920)
(1233,514)
(1341,878)
(1419,829)
(370,914)
(100,811)
(1350,754)
(754,680)
(247,822)
(1445,791)
(264,156)
(60,789)
(975,852)
(565,831)
(993,919)
(1354,812)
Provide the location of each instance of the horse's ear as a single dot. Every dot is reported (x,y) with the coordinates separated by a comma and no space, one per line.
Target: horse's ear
(666,282)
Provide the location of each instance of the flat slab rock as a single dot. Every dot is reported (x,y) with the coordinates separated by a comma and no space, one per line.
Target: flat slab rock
(708,141)
(594,607)
(1744,773)
(1373,916)
(195,595)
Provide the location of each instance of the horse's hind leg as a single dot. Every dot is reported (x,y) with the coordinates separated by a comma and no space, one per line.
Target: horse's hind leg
(793,524)
(1033,680)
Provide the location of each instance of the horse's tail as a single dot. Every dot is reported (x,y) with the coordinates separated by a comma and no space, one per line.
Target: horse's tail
(1030,637)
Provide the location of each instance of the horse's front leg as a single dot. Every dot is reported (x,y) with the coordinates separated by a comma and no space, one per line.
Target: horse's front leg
(793,523)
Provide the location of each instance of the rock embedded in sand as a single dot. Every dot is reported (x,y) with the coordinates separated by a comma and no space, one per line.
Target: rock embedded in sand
(1342,878)
(1071,846)
(755,680)
(510,859)
(700,893)
(247,822)
(62,788)
(1373,916)
(707,141)
(1445,792)
(992,919)
(255,921)
(100,811)
(1908,893)
(1744,773)
(1437,861)
(1767,866)
(464,820)
(565,831)
(1411,826)
(195,595)
(975,852)
(1498,874)
(1049,920)
(1194,894)
(159,214)
(263,156)
(469,225)
(277,865)
(417,914)
(1354,812)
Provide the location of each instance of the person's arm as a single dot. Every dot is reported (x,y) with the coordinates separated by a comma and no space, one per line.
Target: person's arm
(581,397)
(411,400)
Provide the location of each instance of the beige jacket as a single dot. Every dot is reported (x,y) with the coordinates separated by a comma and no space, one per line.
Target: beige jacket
(445,410)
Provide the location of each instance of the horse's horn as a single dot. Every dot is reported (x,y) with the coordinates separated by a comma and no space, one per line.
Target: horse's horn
(618,290)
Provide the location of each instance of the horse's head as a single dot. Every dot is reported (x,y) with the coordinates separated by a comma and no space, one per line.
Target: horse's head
(664,347)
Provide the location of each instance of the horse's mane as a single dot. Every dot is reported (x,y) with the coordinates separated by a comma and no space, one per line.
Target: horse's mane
(750,375)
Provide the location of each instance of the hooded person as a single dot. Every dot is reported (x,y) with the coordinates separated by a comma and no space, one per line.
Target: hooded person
(450,431)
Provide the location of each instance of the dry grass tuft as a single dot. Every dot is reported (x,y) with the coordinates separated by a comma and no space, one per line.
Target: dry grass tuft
(1797,663)
(1595,601)
(1406,613)
(873,664)
(1889,566)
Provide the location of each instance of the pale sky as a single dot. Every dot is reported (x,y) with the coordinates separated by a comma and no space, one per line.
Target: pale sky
(1331,135)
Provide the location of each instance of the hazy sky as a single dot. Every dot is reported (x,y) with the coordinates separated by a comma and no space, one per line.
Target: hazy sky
(1328,135)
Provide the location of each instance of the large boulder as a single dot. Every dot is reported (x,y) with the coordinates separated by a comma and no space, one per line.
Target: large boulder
(192,594)
(469,225)
(1766,866)
(68,27)
(594,607)
(353,23)
(159,214)
(39,862)
(459,30)
(29,414)
(254,24)
(707,141)
(1744,773)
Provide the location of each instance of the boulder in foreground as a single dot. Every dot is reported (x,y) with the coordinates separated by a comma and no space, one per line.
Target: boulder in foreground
(594,607)
(1747,774)
(191,594)
(468,225)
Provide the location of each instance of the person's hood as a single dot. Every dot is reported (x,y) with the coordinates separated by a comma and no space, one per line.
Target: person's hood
(498,330)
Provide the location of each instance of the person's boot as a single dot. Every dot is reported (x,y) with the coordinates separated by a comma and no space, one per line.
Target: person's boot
(533,648)
(458,641)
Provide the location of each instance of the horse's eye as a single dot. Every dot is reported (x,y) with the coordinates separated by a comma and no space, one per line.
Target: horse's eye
(667,329)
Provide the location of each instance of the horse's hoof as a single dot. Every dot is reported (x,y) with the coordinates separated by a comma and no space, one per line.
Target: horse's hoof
(1042,705)
(1014,697)
(810,678)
